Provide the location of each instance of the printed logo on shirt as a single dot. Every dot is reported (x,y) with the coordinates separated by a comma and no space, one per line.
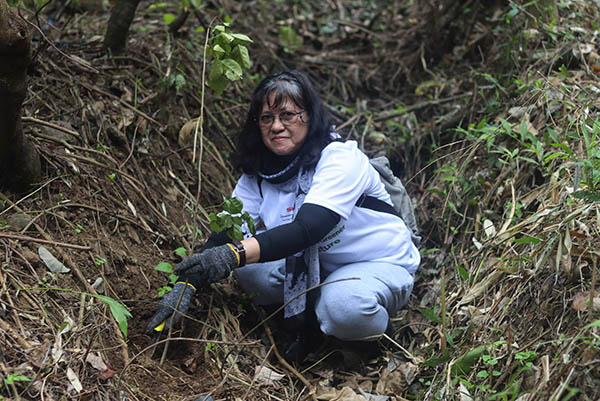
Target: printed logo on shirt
(288,215)
(331,240)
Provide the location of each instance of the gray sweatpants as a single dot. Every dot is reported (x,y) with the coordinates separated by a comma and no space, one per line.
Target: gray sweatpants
(349,310)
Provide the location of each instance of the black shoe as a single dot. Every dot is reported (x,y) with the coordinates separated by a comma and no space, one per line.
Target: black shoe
(296,350)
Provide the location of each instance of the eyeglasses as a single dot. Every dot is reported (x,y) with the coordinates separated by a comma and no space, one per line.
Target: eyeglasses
(286,118)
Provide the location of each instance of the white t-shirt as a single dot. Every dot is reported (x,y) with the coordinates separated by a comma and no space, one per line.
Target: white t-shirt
(341,176)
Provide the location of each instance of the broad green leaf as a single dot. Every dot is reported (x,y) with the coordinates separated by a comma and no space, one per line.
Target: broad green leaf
(216,70)
(236,233)
(224,39)
(196,3)
(164,267)
(240,37)
(236,206)
(465,363)
(119,312)
(168,18)
(218,51)
(226,221)
(240,54)
(216,227)
(218,85)
(232,69)
(180,252)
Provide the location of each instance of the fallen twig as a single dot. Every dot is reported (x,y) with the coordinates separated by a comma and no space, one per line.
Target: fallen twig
(44,241)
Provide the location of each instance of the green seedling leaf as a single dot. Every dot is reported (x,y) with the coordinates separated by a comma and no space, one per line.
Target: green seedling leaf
(11,379)
(235,206)
(430,314)
(464,364)
(119,312)
(164,267)
(436,361)
(235,233)
(163,290)
(525,239)
(181,252)
(482,374)
(168,18)
(463,273)
(215,226)
(593,324)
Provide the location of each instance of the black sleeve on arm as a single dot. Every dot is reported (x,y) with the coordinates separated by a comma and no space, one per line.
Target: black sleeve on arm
(215,239)
(311,224)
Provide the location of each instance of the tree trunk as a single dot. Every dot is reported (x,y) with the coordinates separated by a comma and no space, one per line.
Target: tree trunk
(19,161)
(118,25)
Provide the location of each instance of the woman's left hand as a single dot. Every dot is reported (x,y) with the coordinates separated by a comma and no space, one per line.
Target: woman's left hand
(213,264)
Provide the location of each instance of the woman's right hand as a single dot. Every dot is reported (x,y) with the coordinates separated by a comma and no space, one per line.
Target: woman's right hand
(171,307)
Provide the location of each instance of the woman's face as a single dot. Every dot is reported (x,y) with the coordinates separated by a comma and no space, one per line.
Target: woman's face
(283,137)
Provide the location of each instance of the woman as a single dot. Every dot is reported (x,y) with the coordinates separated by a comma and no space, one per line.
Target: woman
(303,185)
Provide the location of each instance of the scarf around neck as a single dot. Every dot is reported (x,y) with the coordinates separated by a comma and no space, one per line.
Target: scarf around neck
(302,270)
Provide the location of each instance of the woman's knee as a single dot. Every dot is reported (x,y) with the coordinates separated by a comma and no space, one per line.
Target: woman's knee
(263,281)
(351,317)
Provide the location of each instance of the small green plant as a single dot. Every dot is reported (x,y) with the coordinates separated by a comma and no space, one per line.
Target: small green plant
(100,261)
(15,377)
(230,56)
(118,310)
(232,220)
(168,269)
(79,228)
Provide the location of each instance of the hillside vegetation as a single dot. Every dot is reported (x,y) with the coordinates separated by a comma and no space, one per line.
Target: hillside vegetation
(488,111)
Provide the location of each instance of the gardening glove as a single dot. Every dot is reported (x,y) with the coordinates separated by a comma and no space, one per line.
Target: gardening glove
(212,264)
(169,311)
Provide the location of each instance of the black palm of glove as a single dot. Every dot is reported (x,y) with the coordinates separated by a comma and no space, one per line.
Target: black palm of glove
(168,310)
(212,264)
